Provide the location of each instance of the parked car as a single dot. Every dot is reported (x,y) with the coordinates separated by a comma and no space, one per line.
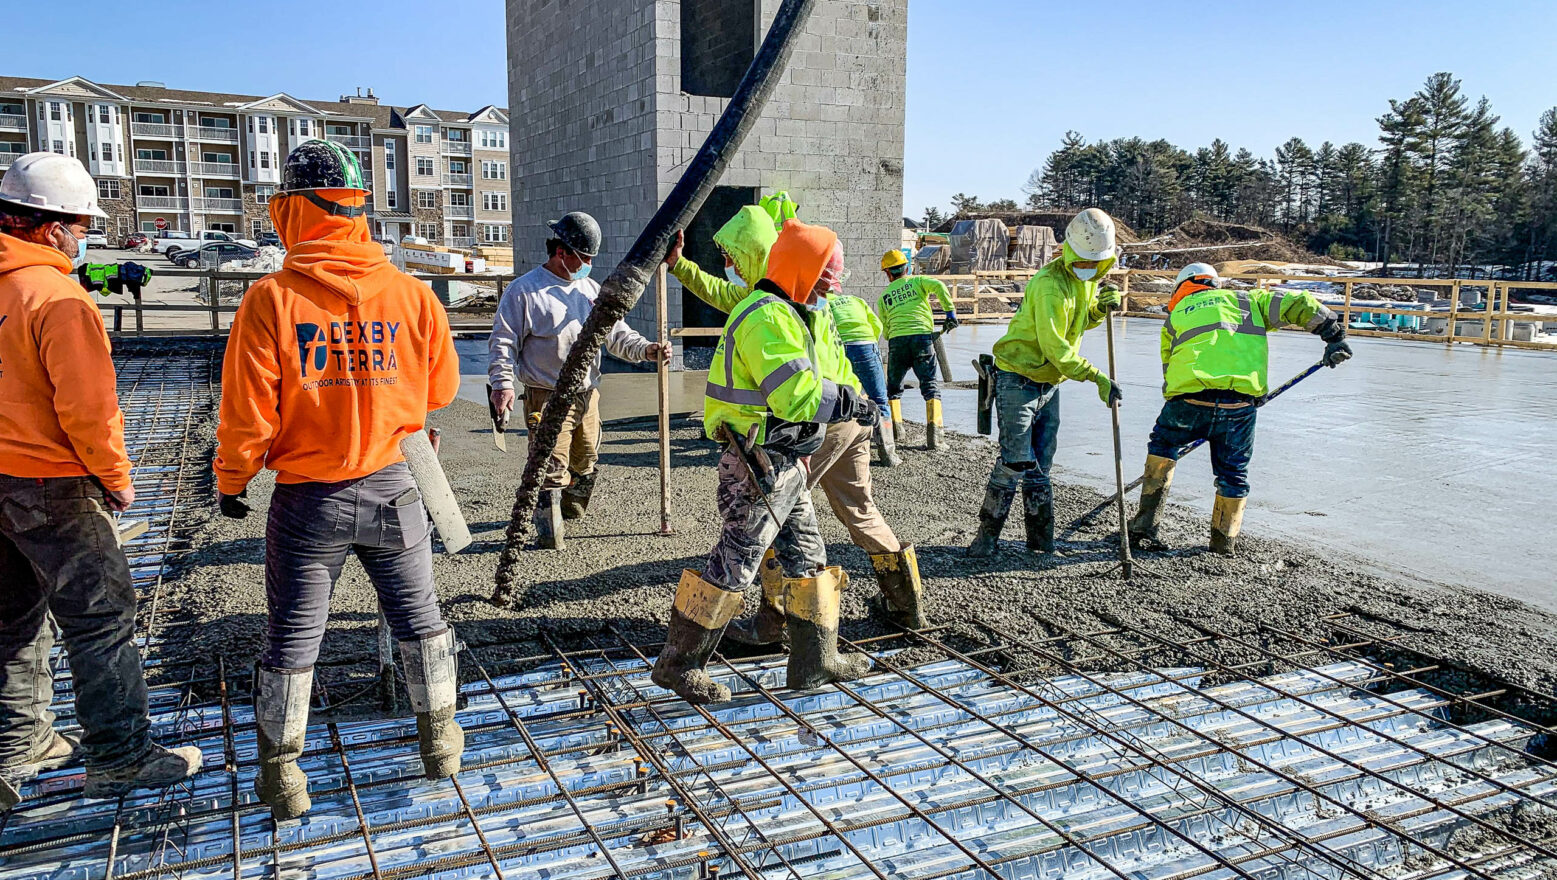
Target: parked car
(135,240)
(171,241)
(213,254)
(268,239)
(96,238)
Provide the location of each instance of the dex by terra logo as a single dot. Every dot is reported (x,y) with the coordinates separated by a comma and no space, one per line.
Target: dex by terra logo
(312,345)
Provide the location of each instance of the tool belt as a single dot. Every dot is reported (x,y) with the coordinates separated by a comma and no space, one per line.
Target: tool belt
(1220,400)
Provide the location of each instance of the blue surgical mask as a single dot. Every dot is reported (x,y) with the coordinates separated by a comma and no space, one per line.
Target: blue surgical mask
(81,251)
(1085,274)
(734,276)
(582,273)
(817,304)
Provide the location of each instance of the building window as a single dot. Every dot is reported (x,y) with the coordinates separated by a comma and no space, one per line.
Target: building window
(424,167)
(459,166)
(149,190)
(264,125)
(108,152)
(151,118)
(159,155)
(302,128)
(460,230)
(392,199)
(494,201)
(108,189)
(222,227)
(428,231)
(424,134)
(92,114)
(389,155)
(491,170)
(456,135)
(216,158)
(459,199)
(218,192)
(59,147)
(54,110)
(251,131)
(215,122)
(262,194)
(493,233)
(119,152)
(426,198)
(494,139)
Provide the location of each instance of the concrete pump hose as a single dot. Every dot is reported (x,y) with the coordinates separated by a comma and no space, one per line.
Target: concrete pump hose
(436,494)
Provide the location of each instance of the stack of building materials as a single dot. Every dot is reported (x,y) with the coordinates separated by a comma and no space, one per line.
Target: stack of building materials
(1031,247)
(932,259)
(979,246)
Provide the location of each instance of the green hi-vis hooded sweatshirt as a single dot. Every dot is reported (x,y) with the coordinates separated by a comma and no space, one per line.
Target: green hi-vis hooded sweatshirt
(1043,342)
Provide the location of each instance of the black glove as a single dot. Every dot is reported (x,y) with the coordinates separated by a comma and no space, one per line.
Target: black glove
(232,506)
(951,323)
(1337,353)
(854,406)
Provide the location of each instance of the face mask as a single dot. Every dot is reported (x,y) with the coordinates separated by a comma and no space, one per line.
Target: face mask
(1085,274)
(81,247)
(734,276)
(581,272)
(817,304)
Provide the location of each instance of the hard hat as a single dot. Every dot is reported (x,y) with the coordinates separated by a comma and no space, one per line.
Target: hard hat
(51,182)
(893,259)
(1091,235)
(780,207)
(579,232)
(1197,270)
(317,165)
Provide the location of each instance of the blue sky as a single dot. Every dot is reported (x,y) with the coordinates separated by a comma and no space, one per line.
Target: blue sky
(993,84)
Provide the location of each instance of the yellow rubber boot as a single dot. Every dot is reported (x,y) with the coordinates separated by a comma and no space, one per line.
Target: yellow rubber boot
(697,620)
(1226,523)
(811,608)
(897,411)
(933,430)
(1154,493)
(766,628)
(902,590)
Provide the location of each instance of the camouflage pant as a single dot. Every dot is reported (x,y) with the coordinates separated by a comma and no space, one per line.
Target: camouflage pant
(750,527)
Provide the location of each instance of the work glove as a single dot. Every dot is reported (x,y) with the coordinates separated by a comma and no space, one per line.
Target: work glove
(1109,299)
(854,406)
(232,506)
(951,323)
(1107,391)
(1336,353)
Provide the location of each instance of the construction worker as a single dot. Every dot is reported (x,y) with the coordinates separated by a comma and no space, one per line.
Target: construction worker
(841,465)
(768,402)
(910,327)
(63,467)
(858,329)
(538,319)
(1214,362)
(332,362)
(1039,352)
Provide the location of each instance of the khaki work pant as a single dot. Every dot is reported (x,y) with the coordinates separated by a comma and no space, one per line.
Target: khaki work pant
(578,443)
(842,468)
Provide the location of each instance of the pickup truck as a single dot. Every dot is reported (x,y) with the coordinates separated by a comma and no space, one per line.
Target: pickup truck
(171,242)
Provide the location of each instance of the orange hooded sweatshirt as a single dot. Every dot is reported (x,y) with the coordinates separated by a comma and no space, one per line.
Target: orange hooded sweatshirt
(333,360)
(59,416)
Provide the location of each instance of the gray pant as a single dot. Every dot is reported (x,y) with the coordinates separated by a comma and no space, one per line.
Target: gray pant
(60,557)
(312,526)
(750,528)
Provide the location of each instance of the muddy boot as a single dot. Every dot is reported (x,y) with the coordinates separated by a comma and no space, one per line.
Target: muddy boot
(934,431)
(432,681)
(1038,517)
(992,518)
(886,444)
(895,407)
(59,751)
(1154,493)
(697,621)
(548,520)
(766,628)
(1226,522)
(901,588)
(811,608)
(281,711)
(575,498)
(159,768)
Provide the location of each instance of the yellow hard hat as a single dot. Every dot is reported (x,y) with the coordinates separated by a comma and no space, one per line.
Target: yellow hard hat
(893,259)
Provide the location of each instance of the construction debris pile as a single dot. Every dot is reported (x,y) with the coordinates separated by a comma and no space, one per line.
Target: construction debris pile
(1213,241)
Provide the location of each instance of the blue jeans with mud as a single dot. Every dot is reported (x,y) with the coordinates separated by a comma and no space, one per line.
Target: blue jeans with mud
(865,357)
(1229,433)
(1029,414)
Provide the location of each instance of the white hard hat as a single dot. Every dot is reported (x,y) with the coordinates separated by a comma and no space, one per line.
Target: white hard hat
(1091,235)
(51,182)
(1196,270)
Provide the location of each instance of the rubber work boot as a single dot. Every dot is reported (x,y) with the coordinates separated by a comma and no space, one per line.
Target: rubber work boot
(1154,493)
(992,518)
(811,608)
(59,751)
(575,498)
(548,520)
(901,588)
(1038,516)
(886,444)
(160,768)
(766,628)
(281,710)
(432,681)
(934,431)
(697,622)
(896,407)
(1226,522)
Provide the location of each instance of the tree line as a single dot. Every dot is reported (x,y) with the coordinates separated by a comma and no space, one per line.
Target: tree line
(1444,187)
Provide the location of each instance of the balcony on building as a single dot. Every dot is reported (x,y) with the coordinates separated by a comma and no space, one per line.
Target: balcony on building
(456,148)
(227,170)
(458,241)
(456,180)
(161,203)
(459,212)
(351,141)
(214,134)
(160,166)
(12,122)
(158,130)
(210,205)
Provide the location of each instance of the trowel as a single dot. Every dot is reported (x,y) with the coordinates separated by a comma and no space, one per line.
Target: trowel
(499,423)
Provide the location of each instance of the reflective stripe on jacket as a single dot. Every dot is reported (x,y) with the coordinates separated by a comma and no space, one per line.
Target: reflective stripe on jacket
(905,305)
(1214,340)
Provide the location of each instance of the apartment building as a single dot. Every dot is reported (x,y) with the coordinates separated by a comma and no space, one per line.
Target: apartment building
(209,160)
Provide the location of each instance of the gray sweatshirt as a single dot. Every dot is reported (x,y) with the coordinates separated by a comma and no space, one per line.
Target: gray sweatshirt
(538,320)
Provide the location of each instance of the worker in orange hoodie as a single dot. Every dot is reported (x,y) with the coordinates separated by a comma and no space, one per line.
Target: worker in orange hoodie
(63,467)
(331,363)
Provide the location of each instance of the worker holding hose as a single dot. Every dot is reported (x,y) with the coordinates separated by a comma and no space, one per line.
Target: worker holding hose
(1214,362)
(332,362)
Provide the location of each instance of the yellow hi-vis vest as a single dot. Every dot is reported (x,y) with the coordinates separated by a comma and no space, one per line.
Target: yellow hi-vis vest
(1214,340)
(767,363)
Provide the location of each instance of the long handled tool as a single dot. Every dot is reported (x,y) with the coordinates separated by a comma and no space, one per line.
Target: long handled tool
(1126,564)
(1136,483)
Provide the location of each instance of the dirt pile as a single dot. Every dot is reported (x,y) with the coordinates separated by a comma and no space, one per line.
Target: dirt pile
(1201,239)
(1055,220)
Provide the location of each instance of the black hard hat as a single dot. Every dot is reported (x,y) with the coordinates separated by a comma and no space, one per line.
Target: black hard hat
(579,232)
(316,165)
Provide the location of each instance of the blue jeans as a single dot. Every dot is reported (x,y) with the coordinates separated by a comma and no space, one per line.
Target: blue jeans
(913,352)
(866,360)
(1029,430)
(1229,433)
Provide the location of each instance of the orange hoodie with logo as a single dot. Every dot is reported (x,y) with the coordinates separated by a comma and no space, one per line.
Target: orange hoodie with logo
(333,360)
(59,415)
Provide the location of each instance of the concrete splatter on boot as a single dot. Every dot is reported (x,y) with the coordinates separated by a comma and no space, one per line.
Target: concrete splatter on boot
(159,768)
(697,621)
(575,498)
(548,520)
(432,681)
(1038,517)
(902,590)
(766,628)
(281,710)
(59,750)
(992,519)
(886,444)
(1154,494)
(934,430)
(1226,523)
(811,608)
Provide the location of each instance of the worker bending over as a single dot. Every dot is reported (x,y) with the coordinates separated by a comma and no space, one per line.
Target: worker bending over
(332,362)
(1039,351)
(63,467)
(841,465)
(538,320)
(767,402)
(1214,363)
(910,326)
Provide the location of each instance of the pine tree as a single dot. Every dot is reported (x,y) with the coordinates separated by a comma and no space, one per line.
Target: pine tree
(1432,144)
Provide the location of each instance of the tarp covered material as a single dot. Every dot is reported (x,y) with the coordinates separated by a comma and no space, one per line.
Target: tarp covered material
(1032,247)
(979,246)
(932,259)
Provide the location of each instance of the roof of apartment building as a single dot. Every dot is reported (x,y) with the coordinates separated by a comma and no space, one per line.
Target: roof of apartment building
(382,116)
